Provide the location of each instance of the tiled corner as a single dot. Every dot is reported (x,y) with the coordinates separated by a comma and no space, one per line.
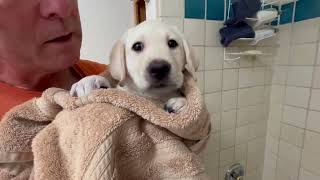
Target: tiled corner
(270,164)
(171,8)
(277,94)
(279,75)
(272,145)
(257,129)
(194,29)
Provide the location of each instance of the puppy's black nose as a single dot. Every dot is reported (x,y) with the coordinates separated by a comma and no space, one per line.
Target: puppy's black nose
(159,69)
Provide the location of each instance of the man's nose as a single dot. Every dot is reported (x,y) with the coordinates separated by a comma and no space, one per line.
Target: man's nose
(57,8)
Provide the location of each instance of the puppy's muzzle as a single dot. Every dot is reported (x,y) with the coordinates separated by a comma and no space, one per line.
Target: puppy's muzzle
(159,70)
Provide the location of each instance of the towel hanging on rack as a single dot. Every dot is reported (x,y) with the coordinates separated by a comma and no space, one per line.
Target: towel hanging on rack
(234,32)
(242,9)
(262,17)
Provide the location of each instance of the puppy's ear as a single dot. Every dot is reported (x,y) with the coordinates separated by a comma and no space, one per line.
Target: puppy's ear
(117,64)
(192,63)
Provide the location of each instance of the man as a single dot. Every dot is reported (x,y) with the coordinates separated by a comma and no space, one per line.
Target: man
(40,44)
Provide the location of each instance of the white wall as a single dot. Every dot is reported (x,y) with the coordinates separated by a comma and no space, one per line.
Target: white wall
(103,22)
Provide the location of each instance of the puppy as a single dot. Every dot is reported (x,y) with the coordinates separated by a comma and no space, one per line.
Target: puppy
(150,60)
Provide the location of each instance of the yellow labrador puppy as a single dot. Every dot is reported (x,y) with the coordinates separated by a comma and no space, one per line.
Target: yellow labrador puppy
(149,60)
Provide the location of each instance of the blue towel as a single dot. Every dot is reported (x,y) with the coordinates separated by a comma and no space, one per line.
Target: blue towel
(231,33)
(242,9)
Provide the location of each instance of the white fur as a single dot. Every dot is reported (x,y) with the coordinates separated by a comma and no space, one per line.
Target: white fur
(130,68)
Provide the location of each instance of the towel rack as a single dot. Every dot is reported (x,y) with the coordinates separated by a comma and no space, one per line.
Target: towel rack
(265,4)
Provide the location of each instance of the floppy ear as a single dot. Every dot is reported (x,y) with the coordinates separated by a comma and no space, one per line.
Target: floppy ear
(192,63)
(118,61)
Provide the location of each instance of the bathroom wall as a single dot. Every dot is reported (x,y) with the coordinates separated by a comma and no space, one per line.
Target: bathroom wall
(103,22)
(265,110)
(293,146)
(236,94)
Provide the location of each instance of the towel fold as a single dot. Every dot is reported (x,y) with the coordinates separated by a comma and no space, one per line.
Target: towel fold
(109,134)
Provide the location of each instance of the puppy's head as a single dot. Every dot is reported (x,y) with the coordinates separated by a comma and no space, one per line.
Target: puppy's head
(154,56)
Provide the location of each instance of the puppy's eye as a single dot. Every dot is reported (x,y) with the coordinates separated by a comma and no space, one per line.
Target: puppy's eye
(138,46)
(172,43)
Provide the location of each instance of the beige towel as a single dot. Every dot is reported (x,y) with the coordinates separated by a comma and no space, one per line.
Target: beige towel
(109,134)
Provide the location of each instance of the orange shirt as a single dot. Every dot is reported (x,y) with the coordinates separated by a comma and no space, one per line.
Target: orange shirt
(11,96)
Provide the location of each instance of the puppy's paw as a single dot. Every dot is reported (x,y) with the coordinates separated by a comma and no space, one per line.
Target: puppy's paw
(88,84)
(175,105)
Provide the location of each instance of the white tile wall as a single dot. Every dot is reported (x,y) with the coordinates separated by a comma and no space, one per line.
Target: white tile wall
(171,8)
(297,96)
(250,96)
(310,153)
(213,81)
(173,21)
(213,58)
(227,138)
(229,100)
(213,102)
(295,116)
(230,79)
(303,54)
(315,100)
(194,29)
(300,76)
(199,55)
(279,75)
(226,156)
(313,122)
(212,33)
(228,120)
(251,77)
(316,77)
(250,114)
(306,31)
(292,135)
(306,175)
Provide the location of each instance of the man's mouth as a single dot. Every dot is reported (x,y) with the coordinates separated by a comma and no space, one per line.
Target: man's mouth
(61,39)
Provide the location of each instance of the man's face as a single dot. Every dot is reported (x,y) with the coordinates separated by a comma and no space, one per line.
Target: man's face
(40,35)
